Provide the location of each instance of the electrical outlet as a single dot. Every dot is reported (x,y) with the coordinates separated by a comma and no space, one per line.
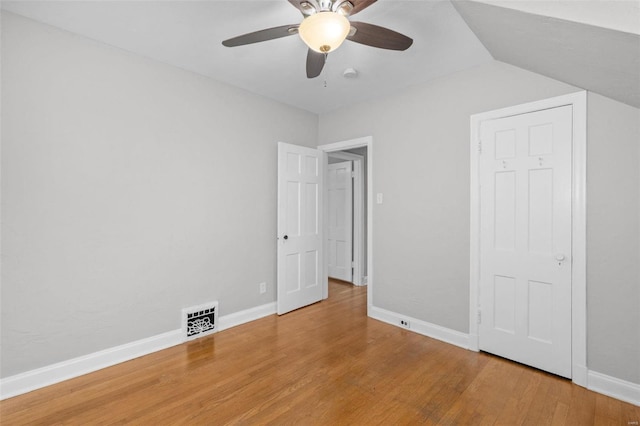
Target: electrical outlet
(263,288)
(405,324)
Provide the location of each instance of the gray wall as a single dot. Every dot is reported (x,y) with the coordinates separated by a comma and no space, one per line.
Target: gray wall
(130,190)
(421,232)
(613,245)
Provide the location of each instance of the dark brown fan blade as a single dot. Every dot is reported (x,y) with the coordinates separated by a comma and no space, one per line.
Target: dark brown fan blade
(315,63)
(360,5)
(262,35)
(383,38)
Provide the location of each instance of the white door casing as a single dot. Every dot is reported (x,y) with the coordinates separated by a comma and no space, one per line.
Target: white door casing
(359,214)
(340,220)
(525,248)
(578,103)
(336,147)
(300,227)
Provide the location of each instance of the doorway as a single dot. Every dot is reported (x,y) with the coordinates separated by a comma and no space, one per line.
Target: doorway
(302,269)
(516,259)
(346,215)
(359,152)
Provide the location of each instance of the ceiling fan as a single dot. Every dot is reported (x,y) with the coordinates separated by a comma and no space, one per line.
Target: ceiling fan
(324,27)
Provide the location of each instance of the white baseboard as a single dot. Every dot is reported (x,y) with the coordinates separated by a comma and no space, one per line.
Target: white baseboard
(613,387)
(55,373)
(247,315)
(474,342)
(597,382)
(422,327)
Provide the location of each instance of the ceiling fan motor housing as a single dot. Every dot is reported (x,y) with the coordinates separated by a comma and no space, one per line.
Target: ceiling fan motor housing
(325,4)
(343,7)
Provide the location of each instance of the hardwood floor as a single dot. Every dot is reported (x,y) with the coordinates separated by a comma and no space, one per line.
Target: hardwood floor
(324,364)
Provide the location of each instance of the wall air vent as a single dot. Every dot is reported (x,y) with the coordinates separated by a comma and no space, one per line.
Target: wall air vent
(199,321)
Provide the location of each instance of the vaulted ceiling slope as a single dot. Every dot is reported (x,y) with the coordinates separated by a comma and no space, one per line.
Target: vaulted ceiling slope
(449,36)
(601,60)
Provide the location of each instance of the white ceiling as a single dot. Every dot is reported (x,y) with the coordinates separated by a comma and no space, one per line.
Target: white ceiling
(188,34)
(598,59)
(583,51)
(619,15)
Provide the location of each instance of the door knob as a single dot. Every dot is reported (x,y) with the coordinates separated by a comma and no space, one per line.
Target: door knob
(559,257)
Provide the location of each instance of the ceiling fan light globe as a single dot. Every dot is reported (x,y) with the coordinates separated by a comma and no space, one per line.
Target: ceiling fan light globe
(324,31)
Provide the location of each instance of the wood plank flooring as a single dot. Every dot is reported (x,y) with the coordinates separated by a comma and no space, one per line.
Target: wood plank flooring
(327,364)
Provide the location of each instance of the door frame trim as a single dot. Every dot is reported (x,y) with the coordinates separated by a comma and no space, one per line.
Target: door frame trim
(366,141)
(358,213)
(578,101)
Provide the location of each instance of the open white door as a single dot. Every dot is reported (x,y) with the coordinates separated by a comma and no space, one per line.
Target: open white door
(525,246)
(300,236)
(340,232)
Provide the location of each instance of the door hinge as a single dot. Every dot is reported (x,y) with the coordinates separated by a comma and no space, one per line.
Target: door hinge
(479,147)
(353,264)
(479,316)
(353,175)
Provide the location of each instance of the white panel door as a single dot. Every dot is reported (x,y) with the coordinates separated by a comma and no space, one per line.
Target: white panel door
(300,237)
(525,228)
(340,228)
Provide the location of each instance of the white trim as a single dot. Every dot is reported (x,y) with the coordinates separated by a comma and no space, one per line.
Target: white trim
(579,240)
(579,374)
(65,370)
(358,213)
(348,144)
(615,388)
(55,373)
(434,331)
(578,101)
(248,315)
(358,221)
(367,142)
(347,156)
